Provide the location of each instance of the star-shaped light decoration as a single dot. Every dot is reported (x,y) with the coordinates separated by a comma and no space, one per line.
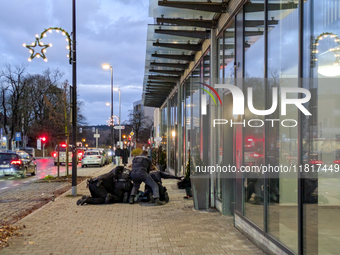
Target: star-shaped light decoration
(35,44)
(39,43)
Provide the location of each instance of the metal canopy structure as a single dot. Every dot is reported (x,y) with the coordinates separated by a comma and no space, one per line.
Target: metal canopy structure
(178,33)
(172,42)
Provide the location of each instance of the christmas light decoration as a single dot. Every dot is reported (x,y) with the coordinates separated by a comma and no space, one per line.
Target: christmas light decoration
(45,46)
(316,43)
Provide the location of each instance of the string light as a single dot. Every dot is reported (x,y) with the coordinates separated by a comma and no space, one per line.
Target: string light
(314,49)
(45,46)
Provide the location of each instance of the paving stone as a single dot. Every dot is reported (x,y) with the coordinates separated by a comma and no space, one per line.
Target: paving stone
(62,227)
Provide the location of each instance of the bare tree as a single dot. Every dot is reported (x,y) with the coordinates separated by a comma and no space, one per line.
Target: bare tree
(139,123)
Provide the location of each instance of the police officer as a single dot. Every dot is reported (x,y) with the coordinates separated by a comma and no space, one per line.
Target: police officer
(123,186)
(102,188)
(157,177)
(141,166)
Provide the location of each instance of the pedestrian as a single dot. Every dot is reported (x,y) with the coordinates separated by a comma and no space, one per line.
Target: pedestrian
(141,166)
(125,155)
(118,154)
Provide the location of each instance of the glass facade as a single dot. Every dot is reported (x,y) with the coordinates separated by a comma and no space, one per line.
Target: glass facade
(264,51)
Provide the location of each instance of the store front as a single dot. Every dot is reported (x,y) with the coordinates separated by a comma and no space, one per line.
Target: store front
(268,47)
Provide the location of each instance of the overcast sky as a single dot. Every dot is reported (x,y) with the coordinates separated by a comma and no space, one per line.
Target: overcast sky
(111,32)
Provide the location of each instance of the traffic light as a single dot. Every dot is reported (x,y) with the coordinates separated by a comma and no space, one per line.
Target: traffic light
(43,139)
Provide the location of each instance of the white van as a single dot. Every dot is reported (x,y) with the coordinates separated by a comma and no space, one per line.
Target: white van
(62,154)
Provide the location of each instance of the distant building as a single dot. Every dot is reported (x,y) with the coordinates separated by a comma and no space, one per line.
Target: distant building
(148,111)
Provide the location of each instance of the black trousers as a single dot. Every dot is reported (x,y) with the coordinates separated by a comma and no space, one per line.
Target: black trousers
(98,194)
(139,176)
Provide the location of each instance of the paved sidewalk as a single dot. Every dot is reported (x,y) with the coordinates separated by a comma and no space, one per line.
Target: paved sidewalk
(62,227)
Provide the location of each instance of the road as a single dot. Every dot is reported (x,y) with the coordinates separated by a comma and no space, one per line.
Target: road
(45,166)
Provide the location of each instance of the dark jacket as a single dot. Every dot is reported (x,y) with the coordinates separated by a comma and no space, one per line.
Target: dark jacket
(118,152)
(141,163)
(125,155)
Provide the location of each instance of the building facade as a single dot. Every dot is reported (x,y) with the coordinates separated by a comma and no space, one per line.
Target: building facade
(281,59)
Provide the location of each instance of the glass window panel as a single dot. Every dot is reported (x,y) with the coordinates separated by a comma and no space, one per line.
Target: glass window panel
(253,136)
(282,149)
(321,143)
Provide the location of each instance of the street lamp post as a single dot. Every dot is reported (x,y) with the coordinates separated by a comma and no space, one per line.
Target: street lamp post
(107,67)
(120,110)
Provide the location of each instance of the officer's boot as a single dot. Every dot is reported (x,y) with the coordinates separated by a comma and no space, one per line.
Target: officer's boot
(81,200)
(126,197)
(109,197)
(132,200)
(87,200)
(159,202)
(151,198)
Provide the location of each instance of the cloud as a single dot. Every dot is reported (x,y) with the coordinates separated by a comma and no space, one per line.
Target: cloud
(111,32)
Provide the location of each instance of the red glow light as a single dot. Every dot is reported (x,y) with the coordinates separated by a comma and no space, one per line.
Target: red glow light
(16,162)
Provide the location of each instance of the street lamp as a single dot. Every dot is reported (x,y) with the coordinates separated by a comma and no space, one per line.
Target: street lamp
(107,67)
(120,108)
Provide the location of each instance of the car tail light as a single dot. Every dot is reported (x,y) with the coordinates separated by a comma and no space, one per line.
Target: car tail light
(99,157)
(16,162)
(54,154)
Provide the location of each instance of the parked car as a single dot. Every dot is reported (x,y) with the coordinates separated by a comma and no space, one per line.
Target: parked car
(29,150)
(62,154)
(17,163)
(92,157)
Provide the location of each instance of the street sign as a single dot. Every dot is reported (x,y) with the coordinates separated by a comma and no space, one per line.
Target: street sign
(119,127)
(96,135)
(17,136)
(158,139)
(132,133)
(38,144)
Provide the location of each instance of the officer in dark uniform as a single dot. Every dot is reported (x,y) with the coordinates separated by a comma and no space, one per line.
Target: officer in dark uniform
(123,186)
(141,166)
(157,177)
(103,188)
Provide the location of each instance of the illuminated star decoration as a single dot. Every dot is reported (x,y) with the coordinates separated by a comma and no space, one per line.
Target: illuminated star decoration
(336,50)
(39,43)
(43,50)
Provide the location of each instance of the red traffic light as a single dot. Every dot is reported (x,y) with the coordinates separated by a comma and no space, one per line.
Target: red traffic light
(43,139)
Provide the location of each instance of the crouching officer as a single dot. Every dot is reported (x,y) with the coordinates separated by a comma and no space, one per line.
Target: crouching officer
(141,166)
(102,188)
(157,177)
(123,186)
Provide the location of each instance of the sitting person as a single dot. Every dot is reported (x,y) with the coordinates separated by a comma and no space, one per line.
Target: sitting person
(112,187)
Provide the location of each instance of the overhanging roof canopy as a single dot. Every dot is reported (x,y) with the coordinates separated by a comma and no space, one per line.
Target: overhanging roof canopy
(172,42)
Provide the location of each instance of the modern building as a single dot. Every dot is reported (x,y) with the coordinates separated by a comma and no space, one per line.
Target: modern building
(148,111)
(284,56)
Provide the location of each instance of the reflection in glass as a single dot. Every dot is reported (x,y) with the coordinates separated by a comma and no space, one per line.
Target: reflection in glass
(321,136)
(253,136)
(281,142)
